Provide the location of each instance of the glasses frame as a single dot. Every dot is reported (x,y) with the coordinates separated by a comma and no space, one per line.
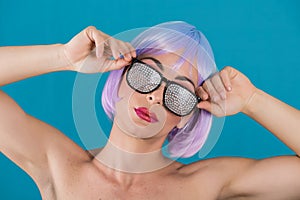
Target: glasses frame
(162,79)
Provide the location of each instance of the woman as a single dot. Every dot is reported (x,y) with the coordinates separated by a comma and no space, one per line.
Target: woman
(147,109)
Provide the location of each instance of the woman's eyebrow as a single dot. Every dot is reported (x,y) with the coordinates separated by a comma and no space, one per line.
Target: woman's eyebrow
(184,78)
(158,63)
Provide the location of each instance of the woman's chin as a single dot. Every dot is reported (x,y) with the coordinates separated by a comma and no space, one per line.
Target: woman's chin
(137,127)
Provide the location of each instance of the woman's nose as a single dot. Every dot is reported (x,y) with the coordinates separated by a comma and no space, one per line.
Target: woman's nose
(156,96)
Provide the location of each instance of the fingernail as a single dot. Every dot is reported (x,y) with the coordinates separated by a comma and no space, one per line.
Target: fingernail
(229,88)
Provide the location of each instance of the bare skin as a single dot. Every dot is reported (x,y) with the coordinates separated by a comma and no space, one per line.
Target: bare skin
(63,170)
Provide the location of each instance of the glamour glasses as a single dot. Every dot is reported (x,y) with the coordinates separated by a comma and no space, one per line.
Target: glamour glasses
(144,79)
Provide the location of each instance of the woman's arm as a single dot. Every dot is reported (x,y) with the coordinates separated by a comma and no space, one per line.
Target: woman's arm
(230,92)
(17,63)
(240,95)
(33,145)
(279,118)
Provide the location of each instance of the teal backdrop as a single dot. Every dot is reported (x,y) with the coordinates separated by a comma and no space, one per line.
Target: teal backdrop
(260,38)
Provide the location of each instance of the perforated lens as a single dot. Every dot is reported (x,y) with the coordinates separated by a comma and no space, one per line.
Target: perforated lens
(179,100)
(143,78)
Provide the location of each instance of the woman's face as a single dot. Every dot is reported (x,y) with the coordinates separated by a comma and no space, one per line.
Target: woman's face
(158,122)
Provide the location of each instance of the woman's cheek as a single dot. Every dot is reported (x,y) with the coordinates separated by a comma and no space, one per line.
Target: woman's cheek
(124,88)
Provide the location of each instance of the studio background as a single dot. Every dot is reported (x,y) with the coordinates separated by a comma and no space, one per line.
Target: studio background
(259,38)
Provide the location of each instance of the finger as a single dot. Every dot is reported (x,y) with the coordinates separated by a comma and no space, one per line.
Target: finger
(107,51)
(213,94)
(125,51)
(218,103)
(206,105)
(99,50)
(200,92)
(97,37)
(110,65)
(132,50)
(213,108)
(120,64)
(114,48)
(224,74)
(99,42)
(116,54)
(218,85)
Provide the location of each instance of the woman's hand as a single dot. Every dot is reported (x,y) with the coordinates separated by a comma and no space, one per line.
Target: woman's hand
(226,93)
(93,51)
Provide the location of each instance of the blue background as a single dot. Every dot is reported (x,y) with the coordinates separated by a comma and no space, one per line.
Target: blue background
(260,38)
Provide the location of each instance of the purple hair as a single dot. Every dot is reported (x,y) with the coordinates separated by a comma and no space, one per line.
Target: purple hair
(173,37)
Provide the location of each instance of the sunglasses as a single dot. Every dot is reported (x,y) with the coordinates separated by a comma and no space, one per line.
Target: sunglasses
(144,79)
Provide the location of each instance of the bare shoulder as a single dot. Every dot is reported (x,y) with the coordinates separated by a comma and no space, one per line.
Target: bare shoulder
(212,176)
(234,177)
(35,146)
(227,164)
(270,178)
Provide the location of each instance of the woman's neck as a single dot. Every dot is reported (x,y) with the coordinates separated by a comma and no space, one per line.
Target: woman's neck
(124,161)
(134,155)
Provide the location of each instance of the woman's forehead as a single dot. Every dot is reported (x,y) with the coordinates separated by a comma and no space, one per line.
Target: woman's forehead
(168,61)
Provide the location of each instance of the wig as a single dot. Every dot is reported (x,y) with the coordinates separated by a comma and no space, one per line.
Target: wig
(191,45)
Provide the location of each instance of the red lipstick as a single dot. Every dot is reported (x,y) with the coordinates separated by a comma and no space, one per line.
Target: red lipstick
(143,113)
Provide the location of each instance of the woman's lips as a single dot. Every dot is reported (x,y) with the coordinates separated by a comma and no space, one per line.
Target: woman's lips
(144,114)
